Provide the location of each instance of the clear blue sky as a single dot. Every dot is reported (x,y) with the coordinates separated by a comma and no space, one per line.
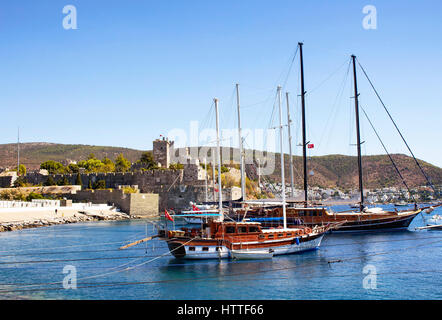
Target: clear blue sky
(136,69)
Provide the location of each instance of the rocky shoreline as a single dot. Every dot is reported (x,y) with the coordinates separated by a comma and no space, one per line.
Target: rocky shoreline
(74,218)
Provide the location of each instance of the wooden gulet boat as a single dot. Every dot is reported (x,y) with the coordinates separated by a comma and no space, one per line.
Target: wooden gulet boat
(365,219)
(368,219)
(219,239)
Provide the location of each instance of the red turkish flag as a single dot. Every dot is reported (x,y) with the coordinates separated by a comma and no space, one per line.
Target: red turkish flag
(195,208)
(167,215)
(311,146)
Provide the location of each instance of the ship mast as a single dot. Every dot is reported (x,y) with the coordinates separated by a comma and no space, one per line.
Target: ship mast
(281,138)
(289,124)
(241,150)
(213,173)
(304,143)
(218,151)
(358,135)
(205,180)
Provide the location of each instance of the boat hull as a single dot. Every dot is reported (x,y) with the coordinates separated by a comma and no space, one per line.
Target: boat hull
(377,224)
(251,254)
(215,249)
(352,223)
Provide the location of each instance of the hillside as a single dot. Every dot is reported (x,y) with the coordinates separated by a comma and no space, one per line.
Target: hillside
(33,154)
(328,171)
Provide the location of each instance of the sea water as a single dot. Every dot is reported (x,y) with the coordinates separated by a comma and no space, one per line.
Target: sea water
(82,261)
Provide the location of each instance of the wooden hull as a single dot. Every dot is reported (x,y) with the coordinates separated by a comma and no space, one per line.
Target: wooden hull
(351,222)
(400,222)
(184,248)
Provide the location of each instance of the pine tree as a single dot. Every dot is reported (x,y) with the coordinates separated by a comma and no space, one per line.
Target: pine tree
(78,181)
(50,181)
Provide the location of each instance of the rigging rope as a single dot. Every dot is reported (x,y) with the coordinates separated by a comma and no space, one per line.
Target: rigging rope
(391,118)
(386,151)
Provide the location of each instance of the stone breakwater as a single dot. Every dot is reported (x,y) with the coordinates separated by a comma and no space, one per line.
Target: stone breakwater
(69,218)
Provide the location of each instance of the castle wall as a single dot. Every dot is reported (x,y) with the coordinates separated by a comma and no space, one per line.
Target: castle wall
(135,204)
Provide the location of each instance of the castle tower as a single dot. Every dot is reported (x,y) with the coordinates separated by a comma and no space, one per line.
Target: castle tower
(162,149)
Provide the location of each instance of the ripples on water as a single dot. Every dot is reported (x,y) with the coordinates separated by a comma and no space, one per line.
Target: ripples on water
(407,262)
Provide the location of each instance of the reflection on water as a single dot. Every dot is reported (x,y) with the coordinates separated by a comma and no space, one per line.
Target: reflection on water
(406,264)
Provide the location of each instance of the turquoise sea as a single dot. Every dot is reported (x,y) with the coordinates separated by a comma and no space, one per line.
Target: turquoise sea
(403,264)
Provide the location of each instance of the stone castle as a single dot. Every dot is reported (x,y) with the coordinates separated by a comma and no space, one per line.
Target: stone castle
(176,188)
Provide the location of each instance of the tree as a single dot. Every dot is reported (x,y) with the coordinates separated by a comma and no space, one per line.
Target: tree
(147,161)
(78,182)
(21,182)
(21,170)
(91,156)
(73,168)
(122,164)
(34,195)
(108,165)
(53,167)
(91,165)
(50,182)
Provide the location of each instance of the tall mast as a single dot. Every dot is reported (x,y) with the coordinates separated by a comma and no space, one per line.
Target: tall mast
(241,151)
(304,142)
(358,135)
(18,151)
(281,138)
(213,173)
(218,151)
(289,124)
(205,180)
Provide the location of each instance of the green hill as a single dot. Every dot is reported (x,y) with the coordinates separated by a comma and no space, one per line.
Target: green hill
(33,154)
(328,171)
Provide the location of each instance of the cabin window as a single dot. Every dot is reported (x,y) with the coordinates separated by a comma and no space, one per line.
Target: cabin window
(205,248)
(191,248)
(253,229)
(242,230)
(270,236)
(320,213)
(280,235)
(230,229)
(261,236)
(289,234)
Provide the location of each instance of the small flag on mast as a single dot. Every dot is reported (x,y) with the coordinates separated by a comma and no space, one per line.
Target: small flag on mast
(310,145)
(167,215)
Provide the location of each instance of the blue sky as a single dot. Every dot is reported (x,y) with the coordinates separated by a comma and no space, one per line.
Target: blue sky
(136,69)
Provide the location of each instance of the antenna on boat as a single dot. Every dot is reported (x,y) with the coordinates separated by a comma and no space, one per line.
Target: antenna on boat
(358,134)
(289,124)
(220,200)
(281,138)
(241,154)
(304,142)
